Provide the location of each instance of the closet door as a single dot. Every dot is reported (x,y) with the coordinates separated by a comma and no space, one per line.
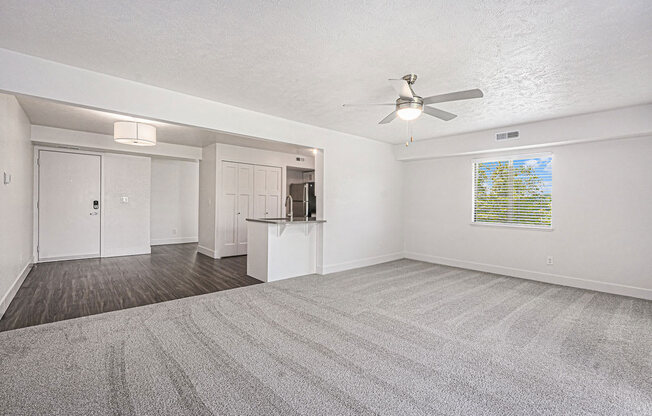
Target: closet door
(273,196)
(228,212)
(260,192)
(245,205)
(267,192)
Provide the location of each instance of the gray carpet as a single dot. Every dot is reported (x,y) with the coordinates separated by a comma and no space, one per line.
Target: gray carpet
(400,338)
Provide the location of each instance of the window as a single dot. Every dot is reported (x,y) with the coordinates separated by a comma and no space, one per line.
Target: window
(513,191)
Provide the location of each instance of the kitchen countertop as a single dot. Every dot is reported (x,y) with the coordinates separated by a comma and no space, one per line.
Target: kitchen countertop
(295,220)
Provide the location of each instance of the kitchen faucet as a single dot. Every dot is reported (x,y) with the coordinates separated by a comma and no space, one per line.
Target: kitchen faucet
(291,214)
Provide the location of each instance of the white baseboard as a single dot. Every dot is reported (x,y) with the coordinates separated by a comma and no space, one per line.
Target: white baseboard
(617,289)
(9,296)
(175,240)
(64,258)
(368,261)
(207,252)
(128,251)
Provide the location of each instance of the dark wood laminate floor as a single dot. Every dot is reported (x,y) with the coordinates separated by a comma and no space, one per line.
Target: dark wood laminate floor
(70,289)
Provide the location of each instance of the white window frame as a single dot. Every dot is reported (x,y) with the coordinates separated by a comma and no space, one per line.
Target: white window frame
(513,157)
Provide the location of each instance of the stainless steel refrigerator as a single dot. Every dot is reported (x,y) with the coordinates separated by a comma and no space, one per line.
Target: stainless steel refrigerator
(304,203)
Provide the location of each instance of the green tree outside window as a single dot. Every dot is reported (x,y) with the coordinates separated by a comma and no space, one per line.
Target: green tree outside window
(514,191)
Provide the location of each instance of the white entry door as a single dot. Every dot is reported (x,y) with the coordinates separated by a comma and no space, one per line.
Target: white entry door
(267,190)
(68,205)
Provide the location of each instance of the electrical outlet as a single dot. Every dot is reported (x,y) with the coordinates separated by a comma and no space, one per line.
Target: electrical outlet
(549,260)
(124,199)
(174,231)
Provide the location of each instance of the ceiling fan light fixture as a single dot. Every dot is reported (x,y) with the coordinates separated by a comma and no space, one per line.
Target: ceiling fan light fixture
(409,106)
(408,113)
(133,133)
(409,109)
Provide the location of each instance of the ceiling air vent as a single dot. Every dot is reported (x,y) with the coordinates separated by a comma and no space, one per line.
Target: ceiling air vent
(507,135)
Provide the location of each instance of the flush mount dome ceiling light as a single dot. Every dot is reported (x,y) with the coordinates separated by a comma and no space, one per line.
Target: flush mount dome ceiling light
(409,106)
(134,133)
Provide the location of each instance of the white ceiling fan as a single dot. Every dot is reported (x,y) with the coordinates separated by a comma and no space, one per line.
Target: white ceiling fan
(409,106)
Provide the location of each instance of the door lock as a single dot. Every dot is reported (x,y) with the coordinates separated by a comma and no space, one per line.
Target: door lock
(96,204)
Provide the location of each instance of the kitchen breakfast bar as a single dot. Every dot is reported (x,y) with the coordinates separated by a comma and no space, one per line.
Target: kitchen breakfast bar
(280,248)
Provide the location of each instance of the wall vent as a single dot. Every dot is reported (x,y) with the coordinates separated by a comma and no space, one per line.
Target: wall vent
(507,135)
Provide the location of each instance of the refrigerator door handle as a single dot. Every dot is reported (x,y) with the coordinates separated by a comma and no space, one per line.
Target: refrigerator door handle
(305,191)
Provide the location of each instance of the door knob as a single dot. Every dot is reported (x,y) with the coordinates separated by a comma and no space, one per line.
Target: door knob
(93,213)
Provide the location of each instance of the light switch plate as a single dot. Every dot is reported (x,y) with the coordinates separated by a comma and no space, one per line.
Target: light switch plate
(7,178)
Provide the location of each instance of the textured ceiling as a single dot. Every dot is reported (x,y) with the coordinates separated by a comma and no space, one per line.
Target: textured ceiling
(302,59)
(52,114)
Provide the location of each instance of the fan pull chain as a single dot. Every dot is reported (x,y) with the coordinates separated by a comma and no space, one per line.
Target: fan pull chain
(409,133)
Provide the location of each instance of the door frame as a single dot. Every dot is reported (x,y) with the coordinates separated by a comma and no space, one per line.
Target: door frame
(36,195)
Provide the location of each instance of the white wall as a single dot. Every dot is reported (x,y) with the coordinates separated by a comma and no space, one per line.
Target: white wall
(602,236)
(362,179)
(175,199)
(125,226)
(362,197)
(16,158)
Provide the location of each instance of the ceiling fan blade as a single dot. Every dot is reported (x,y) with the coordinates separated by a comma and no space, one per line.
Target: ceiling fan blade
(389,118)
(361,105)
(453,96)
(402,87)
(440,114)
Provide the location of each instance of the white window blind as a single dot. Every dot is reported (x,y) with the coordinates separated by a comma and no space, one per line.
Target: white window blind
(513,191)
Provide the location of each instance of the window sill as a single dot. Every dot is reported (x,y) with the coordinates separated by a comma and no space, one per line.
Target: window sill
(522,227)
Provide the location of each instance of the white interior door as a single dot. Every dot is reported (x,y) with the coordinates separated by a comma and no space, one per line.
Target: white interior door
(236,207)
(267,192)
(260,192)
(273,197)
(245,205)
(229,205)
(68,205)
